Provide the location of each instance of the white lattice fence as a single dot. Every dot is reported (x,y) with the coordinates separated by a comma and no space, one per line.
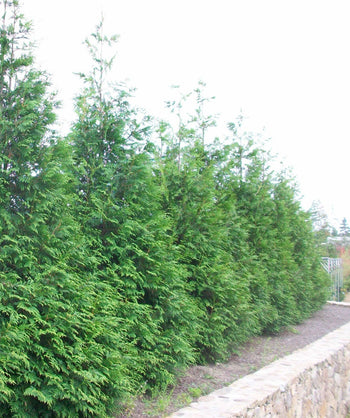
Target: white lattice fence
(334,267)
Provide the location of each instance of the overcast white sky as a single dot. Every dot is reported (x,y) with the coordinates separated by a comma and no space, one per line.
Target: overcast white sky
(286,64)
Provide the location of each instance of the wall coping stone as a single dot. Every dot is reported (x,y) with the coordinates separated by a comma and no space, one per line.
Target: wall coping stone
(255,389)
(332,302)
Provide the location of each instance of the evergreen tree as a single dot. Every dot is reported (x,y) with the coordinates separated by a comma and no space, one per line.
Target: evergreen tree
(270,214)
(57,347)
(306,281)
(119,207)
(187,172)
(248,180)
(323,230)
(344,228)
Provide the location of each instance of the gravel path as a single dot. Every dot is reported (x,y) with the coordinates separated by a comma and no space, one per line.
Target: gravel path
(256,353)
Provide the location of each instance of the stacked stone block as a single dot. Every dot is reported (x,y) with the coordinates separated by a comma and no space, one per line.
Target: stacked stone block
(311,382)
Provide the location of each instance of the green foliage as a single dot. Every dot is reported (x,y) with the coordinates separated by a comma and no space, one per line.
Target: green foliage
(59,342)
(280,251)
(187,173)
(310,294)
(123,261)
(119,206)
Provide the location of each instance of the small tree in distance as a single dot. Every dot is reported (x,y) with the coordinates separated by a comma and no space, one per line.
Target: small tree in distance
(344,229)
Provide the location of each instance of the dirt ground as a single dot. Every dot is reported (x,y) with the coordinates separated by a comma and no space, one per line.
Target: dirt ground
(258,352)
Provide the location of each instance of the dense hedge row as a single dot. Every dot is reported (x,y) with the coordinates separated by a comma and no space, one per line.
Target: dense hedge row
(130,251)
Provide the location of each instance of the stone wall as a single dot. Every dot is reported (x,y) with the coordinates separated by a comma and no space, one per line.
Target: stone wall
(311,382)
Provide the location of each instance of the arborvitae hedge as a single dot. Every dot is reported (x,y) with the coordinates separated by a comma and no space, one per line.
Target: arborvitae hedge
(124,260)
